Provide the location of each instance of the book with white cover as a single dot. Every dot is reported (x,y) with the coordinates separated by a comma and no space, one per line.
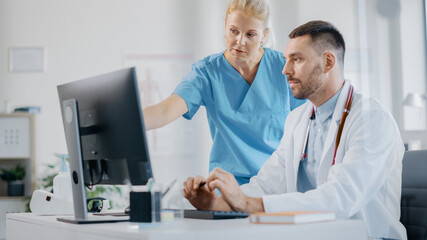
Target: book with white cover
(291,217)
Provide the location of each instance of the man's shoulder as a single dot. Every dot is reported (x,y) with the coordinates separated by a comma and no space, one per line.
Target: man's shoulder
(369,104)
(368,110)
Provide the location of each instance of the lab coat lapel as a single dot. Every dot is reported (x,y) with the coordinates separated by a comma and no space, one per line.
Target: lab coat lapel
(299,137)
(329,148)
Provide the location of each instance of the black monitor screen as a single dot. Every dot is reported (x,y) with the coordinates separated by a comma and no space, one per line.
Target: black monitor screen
(110,128)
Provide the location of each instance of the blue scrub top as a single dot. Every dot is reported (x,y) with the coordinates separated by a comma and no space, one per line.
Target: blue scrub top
(246,122)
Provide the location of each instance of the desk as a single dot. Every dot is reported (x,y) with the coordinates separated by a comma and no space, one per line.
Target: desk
(22,226)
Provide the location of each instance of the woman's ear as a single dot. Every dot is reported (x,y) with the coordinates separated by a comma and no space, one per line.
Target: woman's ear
(329,61)
(266,32)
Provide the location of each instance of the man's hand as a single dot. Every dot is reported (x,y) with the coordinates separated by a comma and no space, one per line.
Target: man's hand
(200,197)
(231,193)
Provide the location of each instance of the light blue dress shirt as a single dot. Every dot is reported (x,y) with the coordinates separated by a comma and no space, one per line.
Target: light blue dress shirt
(246,122)
(307,171)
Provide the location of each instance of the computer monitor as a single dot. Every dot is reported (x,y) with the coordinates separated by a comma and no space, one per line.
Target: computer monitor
(105,134)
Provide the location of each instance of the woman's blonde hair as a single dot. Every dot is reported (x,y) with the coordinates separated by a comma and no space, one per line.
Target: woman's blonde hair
(256,8)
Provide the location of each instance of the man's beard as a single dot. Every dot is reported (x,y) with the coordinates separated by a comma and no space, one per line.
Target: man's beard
(312,84)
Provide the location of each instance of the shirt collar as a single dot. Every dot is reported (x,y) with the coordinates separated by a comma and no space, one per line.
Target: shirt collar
(327,109)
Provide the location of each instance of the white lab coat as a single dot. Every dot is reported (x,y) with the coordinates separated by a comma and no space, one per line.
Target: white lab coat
(364,183)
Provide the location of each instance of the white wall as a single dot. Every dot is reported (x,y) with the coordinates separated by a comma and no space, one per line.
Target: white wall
(86,38)
(397,51)
(413,61)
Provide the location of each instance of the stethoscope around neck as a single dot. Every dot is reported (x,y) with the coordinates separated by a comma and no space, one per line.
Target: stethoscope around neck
(346,110)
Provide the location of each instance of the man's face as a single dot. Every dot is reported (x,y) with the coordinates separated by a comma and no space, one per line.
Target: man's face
(303,67)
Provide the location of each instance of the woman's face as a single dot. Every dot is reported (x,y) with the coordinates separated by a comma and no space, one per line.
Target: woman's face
(243,36)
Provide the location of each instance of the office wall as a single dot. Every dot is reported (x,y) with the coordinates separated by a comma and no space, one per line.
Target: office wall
(86,38)
(82,39)
(413,63)
(396,49)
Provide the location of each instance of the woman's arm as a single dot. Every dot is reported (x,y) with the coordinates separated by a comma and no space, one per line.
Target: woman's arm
(164,112)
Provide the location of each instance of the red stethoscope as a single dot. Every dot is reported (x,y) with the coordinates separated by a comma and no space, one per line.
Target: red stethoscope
(346,110)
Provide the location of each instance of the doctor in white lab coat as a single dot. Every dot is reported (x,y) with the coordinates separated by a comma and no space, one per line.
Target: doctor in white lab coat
(363,179)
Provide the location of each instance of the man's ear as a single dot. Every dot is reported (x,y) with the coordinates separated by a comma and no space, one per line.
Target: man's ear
(329,61)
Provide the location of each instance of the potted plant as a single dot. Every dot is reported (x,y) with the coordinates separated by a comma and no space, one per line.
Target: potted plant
(14,178)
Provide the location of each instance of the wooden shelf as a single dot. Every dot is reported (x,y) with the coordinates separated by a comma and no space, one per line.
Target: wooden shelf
(14,158)
(16,114)
(17,140)
(12,198)
(20,126)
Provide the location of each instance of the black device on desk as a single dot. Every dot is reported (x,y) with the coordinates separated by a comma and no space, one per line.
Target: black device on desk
(105,135)
(201,214)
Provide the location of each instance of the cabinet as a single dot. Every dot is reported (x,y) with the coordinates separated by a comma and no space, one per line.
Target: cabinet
(16,147)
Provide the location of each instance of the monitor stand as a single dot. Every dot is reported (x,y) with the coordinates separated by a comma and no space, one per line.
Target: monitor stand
(72,131)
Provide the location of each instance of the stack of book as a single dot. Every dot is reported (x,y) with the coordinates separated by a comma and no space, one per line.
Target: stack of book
(29,109)
(291,217)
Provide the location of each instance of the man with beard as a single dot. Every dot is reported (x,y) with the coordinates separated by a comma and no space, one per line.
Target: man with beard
(340,152)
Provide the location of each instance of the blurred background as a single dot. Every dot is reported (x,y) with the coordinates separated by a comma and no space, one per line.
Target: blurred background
(72,40)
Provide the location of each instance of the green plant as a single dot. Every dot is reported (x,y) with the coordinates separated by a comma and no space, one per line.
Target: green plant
(16,173)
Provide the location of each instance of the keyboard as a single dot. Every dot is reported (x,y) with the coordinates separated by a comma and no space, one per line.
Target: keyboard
(200,214)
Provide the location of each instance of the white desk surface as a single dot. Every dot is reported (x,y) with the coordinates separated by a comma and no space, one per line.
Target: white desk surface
(22,226)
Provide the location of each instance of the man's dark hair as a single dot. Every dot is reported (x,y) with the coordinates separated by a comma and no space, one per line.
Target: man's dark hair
(324,36)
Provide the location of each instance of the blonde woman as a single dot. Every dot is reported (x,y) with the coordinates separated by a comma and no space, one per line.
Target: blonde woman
(247,98)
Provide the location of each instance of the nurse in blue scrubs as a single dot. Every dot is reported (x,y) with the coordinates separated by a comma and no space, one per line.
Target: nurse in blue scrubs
(247,98)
